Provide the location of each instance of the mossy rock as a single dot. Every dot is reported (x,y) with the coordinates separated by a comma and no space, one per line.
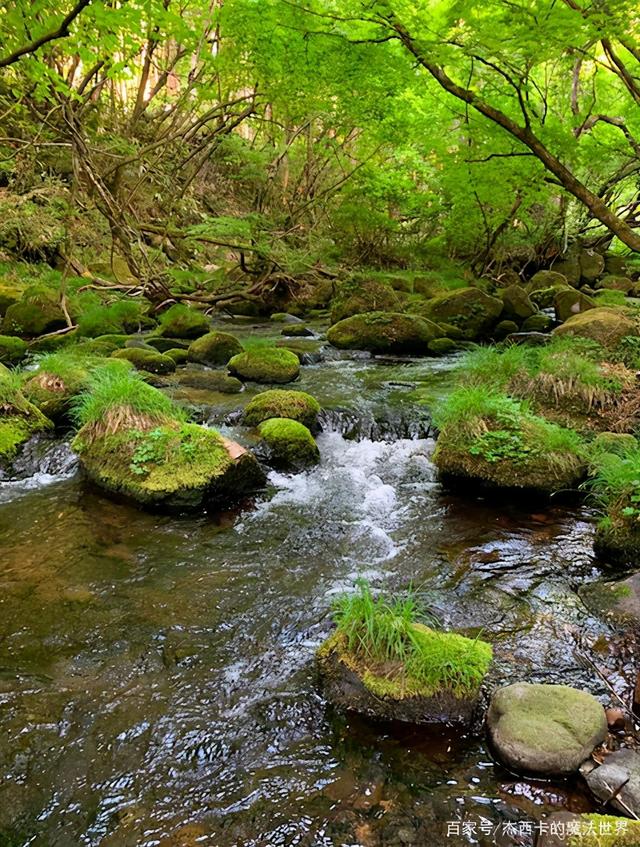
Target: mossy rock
(117,340)
(182,321)
(470,309)
(504,328)
(19,421)
(591,265)
(9,294)
(384,332)
(179,356)
(603,831)
(307,350)
(442,346)
(210,381)
(616,264)
(37,313)
(53,394)
(214,348)
(538,323)
(12,350)
(353,684)
(297,331)
(604,325)
(517,305)
(570,302)
(615,283)
(285,318)
(277,403)
(164,344)
(169,466)
(290,444)
(547,279)
(618,443)
(356,296)
(547,730)
(569,266)
(146,360)
(617,538)
(525,468)
(267,365)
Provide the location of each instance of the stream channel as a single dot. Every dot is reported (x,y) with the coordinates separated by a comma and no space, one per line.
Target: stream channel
(157,676)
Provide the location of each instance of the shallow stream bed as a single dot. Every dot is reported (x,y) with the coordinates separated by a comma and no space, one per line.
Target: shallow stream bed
(157,680)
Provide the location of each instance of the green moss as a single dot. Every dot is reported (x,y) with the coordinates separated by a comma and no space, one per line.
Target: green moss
(59,378)
(290,443)
(605,326)
(214,348)
(210,381)
(181,321)
(179,356)
(124,316)
(36,313)
(12,350)
(471,310)
(268,365)
(382,332)
(397,656)
(146,360)
(605,831)
(19,419)
(357,295)
(278,403)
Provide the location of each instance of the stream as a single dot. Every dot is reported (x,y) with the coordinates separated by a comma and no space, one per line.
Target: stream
(157,678)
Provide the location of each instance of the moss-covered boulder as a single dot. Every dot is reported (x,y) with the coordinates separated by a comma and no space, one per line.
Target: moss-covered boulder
(182,321)
(277,403)
(10,293)
(591,265)
(517,305)
(492,441)
(267,365)
(289,444)
(135,443)
(122,317)
(19,419)
(384,332)
(355,296)
(37,312)
(297,331)
(60,377)
(504,328)
(470,309)
(547,730)
(615,283)
(354,680)
(208,380)
(214,348)
(12,350)
(55,342)
(538,323)
(179,356)
(570,302)
(569,266)
(164,344)
(442,346)
(146,360)
(546,279)
(606,326)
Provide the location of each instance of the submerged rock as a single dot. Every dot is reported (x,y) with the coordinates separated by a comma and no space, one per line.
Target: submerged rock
(352,684)
(290,444)
(278,403)
(269,365)
(214,348)
(384,332)
(544,729)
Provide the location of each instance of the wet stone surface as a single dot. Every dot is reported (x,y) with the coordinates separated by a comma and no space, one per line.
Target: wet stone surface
(157,675)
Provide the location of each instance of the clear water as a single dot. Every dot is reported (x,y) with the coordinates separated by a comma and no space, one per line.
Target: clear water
(157,679)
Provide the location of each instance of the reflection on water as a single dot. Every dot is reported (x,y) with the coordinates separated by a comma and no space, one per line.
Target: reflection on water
(157,684)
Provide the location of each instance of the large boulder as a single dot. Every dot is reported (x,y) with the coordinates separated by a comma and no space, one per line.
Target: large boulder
(570,302)
(544,729)
(214,348)
(268,365)
(616,264)
(12,350)
(517,305)
(569,266)
(469,309)
(19,420)
(37,312)
(610,282)
(591,265)
(546,279)
(384,332)
(606,326)
(277,403)
(289,444)
(208,380)
(181,321)
(355,296)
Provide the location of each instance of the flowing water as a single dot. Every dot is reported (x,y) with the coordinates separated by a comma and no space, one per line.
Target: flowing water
(157,679)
